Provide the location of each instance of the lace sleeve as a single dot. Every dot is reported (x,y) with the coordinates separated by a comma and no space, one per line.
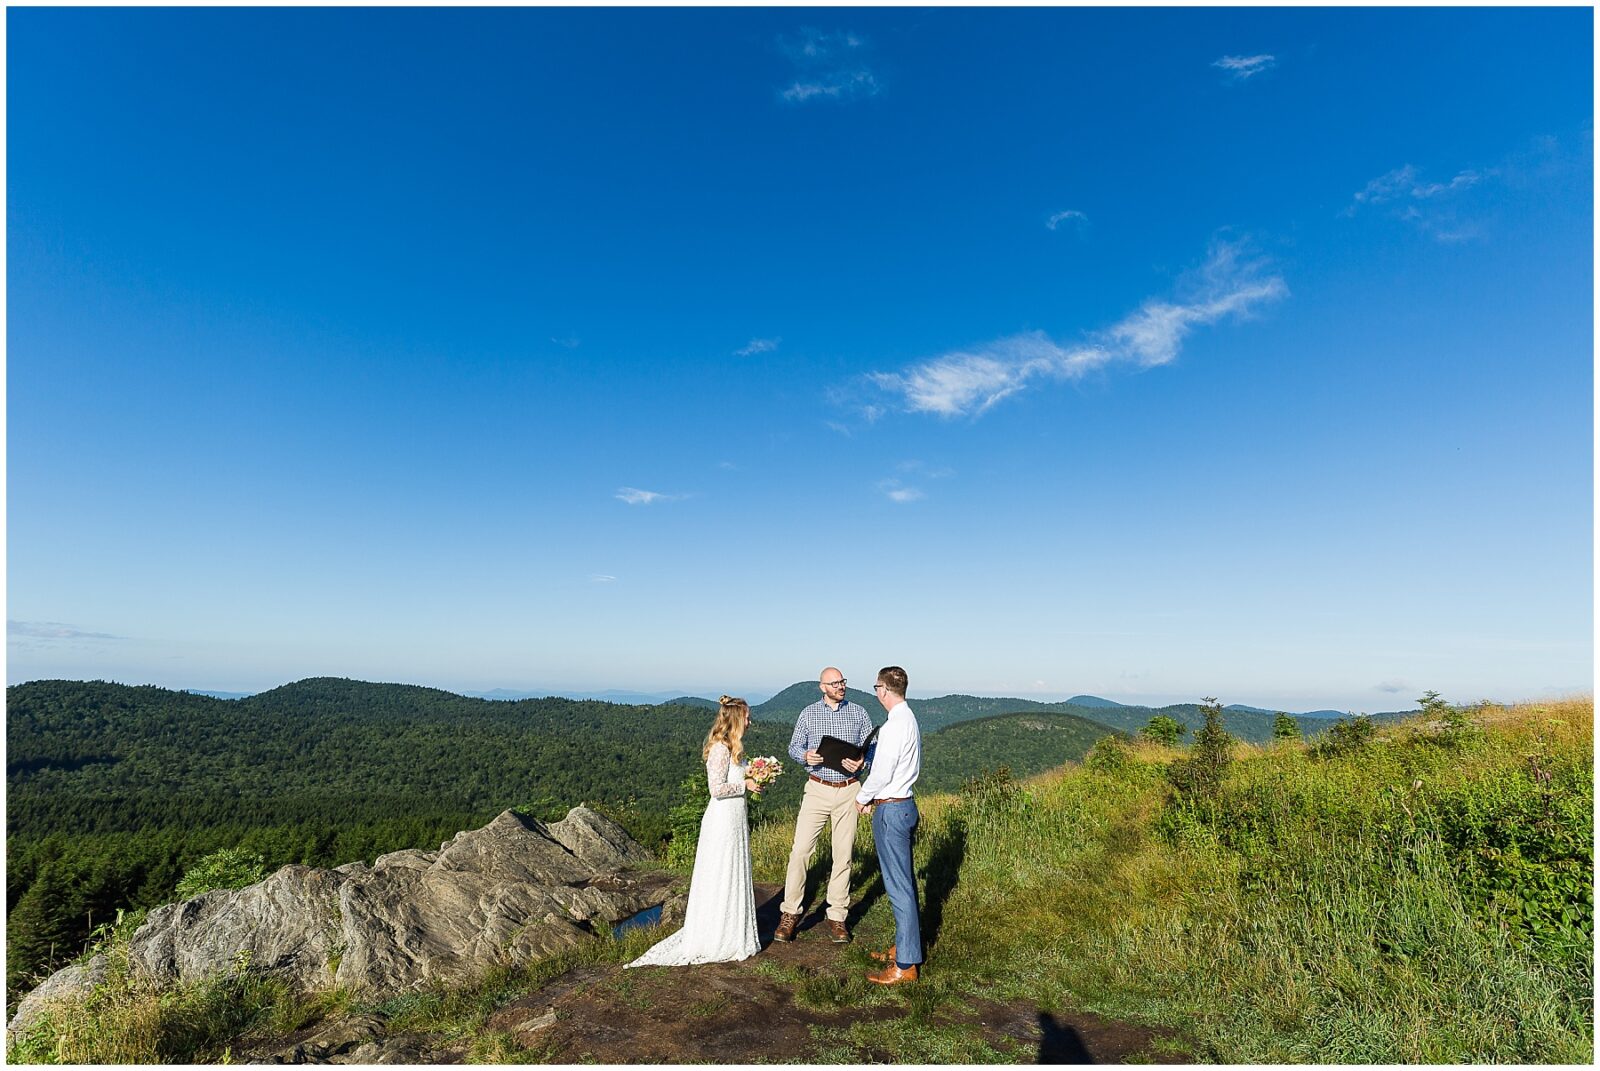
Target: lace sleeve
(717,764)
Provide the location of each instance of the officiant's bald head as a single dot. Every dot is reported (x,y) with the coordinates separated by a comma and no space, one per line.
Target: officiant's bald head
(831,681)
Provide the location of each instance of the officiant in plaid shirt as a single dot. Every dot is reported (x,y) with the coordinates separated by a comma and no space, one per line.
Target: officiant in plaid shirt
(829,800)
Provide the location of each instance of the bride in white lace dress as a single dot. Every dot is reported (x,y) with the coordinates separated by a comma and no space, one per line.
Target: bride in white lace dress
(720,921)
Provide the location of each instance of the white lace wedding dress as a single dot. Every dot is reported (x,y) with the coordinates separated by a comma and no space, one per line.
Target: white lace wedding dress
(720,921)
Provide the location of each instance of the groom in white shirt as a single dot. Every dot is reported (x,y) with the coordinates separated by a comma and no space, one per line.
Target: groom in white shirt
(886,795)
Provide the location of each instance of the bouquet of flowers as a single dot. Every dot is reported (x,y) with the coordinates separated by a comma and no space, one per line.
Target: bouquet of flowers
(763,772)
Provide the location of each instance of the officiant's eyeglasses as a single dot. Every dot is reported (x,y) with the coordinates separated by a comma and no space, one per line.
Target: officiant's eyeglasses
(833,684)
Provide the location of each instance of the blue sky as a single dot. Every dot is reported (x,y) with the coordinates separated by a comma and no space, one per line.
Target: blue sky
(1149,353)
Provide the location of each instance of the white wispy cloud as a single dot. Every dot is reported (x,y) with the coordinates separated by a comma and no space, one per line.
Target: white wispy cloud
(830,66)
(602,578)
(53,630)
(1242,67)
(1464,180)
(1062,217)
(895,491)
(571,342)
(1393,686)
(836,85)
(757,345)
(971,382)
(634,496)
(1435,208)
(1403,182)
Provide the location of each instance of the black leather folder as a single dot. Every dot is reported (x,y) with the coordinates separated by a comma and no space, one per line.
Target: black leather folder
(834,751)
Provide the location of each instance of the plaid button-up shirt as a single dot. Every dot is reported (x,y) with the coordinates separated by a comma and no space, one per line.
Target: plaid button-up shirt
(848,721)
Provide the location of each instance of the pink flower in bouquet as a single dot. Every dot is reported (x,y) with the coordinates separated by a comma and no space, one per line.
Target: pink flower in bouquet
(763,772)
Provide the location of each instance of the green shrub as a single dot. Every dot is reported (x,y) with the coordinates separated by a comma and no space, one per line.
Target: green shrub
(1345,736)
(1109,755)
(1198,775)
(1284,727)
(684,820)
(230,868)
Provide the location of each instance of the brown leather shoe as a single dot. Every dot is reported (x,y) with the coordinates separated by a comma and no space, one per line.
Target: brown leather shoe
(839,932)
(883,957)
(787,924)
(893,975)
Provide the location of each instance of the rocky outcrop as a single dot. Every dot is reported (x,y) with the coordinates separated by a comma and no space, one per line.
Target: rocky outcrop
(508,894)
(69,983)
(287,924)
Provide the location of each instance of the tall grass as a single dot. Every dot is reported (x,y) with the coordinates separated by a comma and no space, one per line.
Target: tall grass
(1359,908)
(127,1020)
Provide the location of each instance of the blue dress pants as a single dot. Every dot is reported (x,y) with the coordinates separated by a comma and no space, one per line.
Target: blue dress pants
(892,826)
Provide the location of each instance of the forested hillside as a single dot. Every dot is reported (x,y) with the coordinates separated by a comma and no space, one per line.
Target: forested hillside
(1025,744)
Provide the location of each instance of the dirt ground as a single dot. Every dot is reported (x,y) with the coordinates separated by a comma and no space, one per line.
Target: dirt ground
(747,1012)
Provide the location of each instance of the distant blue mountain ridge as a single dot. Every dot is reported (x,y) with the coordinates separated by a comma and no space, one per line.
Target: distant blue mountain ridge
(623,696)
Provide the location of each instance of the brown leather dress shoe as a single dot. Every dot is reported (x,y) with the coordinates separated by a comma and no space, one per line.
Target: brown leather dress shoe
(839,932)
(883,957)
(787,924)
(893,975)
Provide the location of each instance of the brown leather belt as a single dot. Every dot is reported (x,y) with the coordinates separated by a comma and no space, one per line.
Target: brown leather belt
(891,799)
(831,784)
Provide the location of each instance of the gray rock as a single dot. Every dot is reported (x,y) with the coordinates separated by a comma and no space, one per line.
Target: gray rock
(597,840)
(330,1041)
(508,894)
(68,984)
(405,929)
(411,858)
(504,850)
(674,910)
(287,925)
(407,1049)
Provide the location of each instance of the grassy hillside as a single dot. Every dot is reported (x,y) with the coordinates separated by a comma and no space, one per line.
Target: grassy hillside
(1422,895)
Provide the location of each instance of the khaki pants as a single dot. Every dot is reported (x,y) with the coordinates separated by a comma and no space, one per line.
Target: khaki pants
(821,805)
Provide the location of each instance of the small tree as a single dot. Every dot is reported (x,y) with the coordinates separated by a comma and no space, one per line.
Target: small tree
(1198,776)
(1453,726)
(1284,727)
(1163,729)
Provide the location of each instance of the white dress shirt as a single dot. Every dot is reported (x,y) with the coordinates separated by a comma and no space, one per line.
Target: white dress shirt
(898,761)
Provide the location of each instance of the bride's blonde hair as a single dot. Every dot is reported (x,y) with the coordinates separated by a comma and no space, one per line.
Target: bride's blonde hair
(728,728)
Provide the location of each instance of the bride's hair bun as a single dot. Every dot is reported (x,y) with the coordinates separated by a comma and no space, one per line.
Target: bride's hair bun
(725,700)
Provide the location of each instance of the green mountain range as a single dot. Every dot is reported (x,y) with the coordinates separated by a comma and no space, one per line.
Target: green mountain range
(1252,724)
